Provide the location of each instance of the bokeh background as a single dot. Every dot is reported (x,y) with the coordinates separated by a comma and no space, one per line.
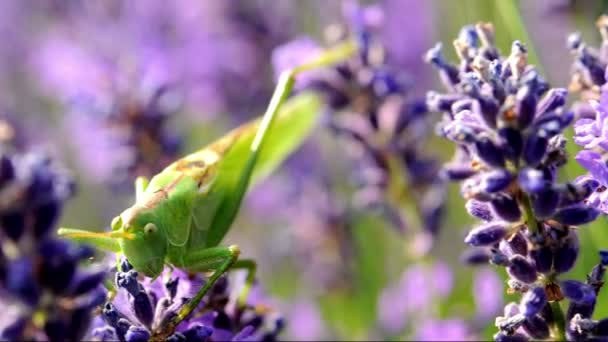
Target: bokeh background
(332,270)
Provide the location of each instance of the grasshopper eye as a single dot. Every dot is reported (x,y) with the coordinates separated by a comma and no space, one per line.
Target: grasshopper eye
(150,228)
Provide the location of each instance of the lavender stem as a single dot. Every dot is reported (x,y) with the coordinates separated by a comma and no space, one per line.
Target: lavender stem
(559,322)
(530,219)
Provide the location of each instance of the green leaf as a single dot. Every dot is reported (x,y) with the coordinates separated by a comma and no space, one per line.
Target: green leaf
(295,121)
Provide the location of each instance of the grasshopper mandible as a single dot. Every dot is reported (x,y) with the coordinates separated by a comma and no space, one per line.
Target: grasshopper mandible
(182,214)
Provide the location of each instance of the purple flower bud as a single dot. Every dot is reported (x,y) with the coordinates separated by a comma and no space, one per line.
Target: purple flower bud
(536,327)
(137,334)
(543,258)
(110,314)
(244,334)
(125,266)
(78,323)
(457,172)
(495,180)
(487,234)
(475,256)
(526,100)
(141,305)
(122,327)
(580,327)
(14,330)
(20,280)
(518,244)
(517,337)
(574,193)
(565,255)
(596,277)
(222,321)
(171,287)
(489,152)
(46,217)
(197,332)
(104,334)
(441,102)
(577,292)
(479,210)
(86,282)
(583,309)
(510,324)
(533,301)
(128,281)
(506,207)
(576,215)
(554,99)
(13,225)
(511,309)
(533,180)
(58,266)
(448,72)
(517,286)
(521,269)
(488,108)
(512,142)
(545,202)
(604,257)
(7,170)
(601,328)
(499,258)
(177,337)
(535,149)
(460,105)
(552,124)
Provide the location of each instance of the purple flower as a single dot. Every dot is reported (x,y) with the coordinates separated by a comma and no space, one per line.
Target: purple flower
(443,330)
(305,322)
(507,124)
(145,307)
(386,131)
(413,294)
(488,297)
(40,274)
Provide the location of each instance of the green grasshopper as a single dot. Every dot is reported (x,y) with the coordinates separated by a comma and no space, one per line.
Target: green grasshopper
(182,214)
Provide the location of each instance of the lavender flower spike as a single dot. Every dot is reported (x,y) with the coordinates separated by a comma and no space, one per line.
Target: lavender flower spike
(508,124)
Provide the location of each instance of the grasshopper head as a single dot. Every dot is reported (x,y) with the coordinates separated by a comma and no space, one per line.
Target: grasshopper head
(146,246)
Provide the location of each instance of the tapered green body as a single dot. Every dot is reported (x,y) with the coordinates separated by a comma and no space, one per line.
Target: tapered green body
(190,205)
(183,213)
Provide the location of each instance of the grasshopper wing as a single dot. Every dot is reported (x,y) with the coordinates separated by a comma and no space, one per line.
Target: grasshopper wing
(293,124)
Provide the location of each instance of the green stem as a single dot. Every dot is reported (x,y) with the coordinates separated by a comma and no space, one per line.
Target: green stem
(559,322)
(531,221)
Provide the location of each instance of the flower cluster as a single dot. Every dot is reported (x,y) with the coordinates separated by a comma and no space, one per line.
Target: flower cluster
(50,296)
(411,301)
(144,306)
(588,69)
(383,127)
(507,125)
(130,134)
(591,128)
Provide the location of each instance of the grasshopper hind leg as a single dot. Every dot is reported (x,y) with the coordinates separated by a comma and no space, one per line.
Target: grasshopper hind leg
(250,266)
(217,259)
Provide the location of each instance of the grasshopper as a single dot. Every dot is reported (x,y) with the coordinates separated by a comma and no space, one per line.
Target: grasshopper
(182,214)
